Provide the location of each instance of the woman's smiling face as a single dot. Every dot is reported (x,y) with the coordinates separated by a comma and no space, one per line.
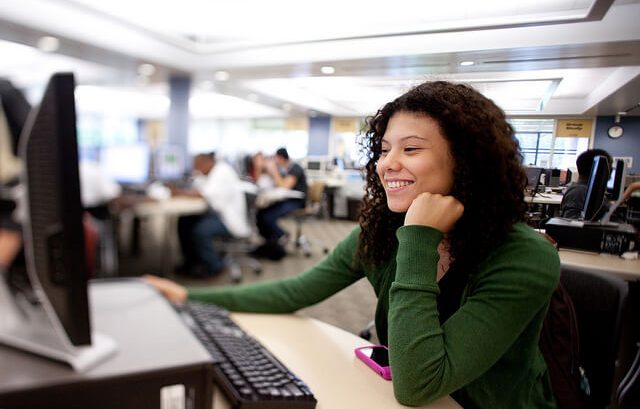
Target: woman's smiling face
(415,158)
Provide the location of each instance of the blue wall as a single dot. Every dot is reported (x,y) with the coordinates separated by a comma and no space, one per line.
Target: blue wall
(627,145)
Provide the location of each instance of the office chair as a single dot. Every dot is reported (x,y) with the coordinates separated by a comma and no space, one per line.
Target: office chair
(237,250)
(599,300)
(629,388)
(313,209)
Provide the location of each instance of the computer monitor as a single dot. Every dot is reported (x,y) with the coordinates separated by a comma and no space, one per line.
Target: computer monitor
(57,323)
(615,184)
(533,178)
(565,177)
(594,202)
(126,164)
(169,163)
(314,165)
(615,188)
(552,177)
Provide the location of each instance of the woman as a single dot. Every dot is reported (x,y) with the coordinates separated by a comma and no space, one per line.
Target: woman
(462,284)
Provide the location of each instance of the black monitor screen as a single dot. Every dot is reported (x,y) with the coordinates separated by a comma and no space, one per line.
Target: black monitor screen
(533,178)
(314,165)
(595,198)
(615,184)
(54,236)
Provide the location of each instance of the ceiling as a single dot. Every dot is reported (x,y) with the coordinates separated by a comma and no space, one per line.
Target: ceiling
(256,58)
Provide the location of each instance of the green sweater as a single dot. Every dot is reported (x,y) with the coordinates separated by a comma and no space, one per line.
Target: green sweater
(486,354)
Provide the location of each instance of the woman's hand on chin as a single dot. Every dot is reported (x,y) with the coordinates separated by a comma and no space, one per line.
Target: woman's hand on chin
(434,210)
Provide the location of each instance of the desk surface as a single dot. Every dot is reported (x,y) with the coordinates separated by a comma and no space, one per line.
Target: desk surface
(174,206)
(544,198)
(628,270)
(322,355)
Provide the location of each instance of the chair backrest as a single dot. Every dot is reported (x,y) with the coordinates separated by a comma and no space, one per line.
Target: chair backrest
(316,189)
(599,300)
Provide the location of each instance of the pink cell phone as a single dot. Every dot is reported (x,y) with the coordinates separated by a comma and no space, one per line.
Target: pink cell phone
(377,358)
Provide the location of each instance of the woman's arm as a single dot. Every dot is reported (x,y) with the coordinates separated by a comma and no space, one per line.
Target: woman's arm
(429,360)
(337,271)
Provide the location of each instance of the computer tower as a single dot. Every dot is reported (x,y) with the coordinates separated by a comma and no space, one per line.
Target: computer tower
(600,238)
(158,364)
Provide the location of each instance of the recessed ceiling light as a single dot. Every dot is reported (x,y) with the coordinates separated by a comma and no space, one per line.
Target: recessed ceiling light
(146,69)
(467,63)
(327,69)
(221,75)
(48,44)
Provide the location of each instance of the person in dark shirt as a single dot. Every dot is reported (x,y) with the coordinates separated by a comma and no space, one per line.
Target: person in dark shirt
(573,199)
(288,175)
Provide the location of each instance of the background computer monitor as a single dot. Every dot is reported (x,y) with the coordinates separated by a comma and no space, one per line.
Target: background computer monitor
(552,177)
(126,164)
(565,177)
(615,188)
(57,324)
(615,184)
(596,188)
(314,165)
(169,163)
(533,178)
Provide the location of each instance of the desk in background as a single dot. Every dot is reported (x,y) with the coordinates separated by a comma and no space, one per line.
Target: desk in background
(162,216)
(553,199)
(628,270)
(541,206)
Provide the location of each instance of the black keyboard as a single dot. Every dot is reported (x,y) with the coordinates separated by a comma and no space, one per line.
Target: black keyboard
(245,371)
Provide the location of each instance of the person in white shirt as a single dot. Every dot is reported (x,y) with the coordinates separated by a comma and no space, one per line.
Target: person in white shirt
(220,186)
(96,187)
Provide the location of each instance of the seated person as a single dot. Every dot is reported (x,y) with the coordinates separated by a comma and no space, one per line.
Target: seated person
(97,189)
(628,192)
(573,199)
(219,185)
(463,285)
(256,172)
(288,175)
(10,241)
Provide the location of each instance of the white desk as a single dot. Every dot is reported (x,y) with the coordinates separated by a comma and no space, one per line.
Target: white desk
(628,270)
(163,214)
(544,198)
(322,355)
(174,206)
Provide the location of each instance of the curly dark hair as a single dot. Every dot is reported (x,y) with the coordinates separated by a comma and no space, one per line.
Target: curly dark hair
(489,179)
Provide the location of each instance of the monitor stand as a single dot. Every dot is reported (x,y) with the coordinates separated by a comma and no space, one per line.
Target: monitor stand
(27,325)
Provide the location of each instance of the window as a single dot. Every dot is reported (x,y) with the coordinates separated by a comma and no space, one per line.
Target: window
(540,148)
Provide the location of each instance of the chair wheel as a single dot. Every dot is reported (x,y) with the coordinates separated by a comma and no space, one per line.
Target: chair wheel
(236,280)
